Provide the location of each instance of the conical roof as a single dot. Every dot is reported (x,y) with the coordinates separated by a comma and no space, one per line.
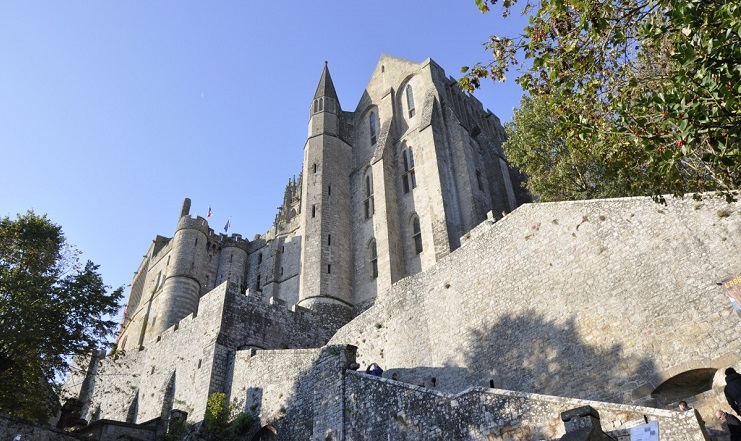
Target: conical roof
(325,87)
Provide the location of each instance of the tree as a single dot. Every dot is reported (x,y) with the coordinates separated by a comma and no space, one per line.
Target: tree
(555,169)
(50,308)
(650,87)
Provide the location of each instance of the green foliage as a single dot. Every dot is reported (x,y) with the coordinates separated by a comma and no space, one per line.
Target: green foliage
(216,423)
(649,88)
(51,307)
(216,419)
(557,168)
(242,424)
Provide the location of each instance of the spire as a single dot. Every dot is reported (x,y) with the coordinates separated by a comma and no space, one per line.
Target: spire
(326,87)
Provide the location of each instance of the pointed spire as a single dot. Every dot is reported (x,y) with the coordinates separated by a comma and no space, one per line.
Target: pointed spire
(326,87)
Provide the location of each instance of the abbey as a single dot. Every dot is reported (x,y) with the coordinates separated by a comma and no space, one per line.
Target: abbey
(385,192)
(401,243)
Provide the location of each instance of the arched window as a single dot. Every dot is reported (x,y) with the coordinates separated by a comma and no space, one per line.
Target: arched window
(373,255)
(417,235)
(368,195)
(372,123)
(408,179)
(316,106)
(321,103)
(410,101)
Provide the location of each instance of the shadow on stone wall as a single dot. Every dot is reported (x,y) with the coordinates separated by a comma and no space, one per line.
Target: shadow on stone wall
(435,378)
(524,352)
(532,354)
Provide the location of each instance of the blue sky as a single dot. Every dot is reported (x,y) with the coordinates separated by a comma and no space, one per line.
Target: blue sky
(112,112)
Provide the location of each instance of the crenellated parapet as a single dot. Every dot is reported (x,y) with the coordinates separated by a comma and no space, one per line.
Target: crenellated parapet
(193,223)
(235,240)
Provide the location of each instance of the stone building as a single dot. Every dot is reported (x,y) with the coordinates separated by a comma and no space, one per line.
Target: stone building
(386,190)
(390,248)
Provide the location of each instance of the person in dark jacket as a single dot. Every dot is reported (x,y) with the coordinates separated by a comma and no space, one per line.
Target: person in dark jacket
(733,389)
(374,369)
(734,425)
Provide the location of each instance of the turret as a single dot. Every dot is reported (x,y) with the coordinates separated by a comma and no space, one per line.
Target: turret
(180,291)
(233,261)
(326,268)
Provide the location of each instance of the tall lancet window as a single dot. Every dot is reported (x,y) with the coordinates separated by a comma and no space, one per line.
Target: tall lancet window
(372,123)
(410,100)
(417,235)
(368,195)
(373,254)
(408,179)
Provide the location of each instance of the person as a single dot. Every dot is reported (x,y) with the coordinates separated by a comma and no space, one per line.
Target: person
(684,407)
(395,376)
(732,390)
(733,423)
(375,371)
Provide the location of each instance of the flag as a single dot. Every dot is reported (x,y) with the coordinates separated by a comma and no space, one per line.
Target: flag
(209,212)
(226,227)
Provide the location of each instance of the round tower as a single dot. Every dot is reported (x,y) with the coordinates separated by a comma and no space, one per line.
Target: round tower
(233,261)
(326,270)
(180,291)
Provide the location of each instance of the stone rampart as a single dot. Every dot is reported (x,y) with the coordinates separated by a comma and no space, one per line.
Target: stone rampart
(378,408)
(176,367)
(167,373)
(249,321)
(602,299)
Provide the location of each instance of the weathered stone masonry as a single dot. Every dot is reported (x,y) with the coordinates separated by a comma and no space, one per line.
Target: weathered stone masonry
(593,299)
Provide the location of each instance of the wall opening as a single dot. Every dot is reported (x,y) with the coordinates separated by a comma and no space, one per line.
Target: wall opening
(683,386)
(267,433)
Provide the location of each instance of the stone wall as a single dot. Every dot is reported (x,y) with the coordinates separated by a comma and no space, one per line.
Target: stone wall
(297,392)
(17,429)
(600,299)
(379,409)
(134,387)
(195,358)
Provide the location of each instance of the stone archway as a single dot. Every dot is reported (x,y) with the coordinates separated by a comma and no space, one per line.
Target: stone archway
(267,433)
(684,385)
